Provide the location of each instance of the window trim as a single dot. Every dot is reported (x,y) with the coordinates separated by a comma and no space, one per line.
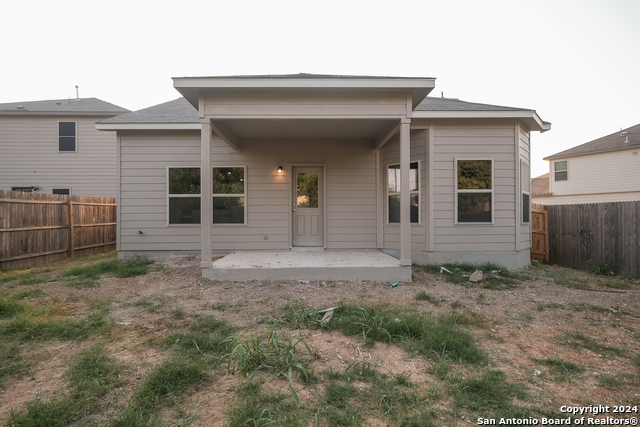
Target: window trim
(387,193)
(456,191)
(75,145)
(555,171)
(230,195)
(182,195)
(522,192)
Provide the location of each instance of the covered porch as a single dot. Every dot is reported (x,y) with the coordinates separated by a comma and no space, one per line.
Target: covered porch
(363,265)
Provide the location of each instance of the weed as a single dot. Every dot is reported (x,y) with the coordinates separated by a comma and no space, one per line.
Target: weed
(494,276)
(94,373)
(58,412)
(40,325)
(150,307)
(481,298)
(636,360)
(561,368)
(579,340)
(178,313)
(206,336)
(12,363)
(279,355)
(9,307)
(491,392)
(338,395)
(552,305)
(403,379)
(87,276)
(601,268)
(423,296)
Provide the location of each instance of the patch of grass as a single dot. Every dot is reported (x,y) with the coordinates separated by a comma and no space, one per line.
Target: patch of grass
(178,313)
(602,268)
(550,305)
(567,279)
(206,338)
(12,363)
(280,354)
(94,373)
(57,412)
(9,307)
(423,296)
(257,408)
(561,368)
(492,393)
(87,276)
(636,360)
(149,306)
(578,340)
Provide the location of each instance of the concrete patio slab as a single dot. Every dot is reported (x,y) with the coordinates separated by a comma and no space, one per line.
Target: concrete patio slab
(370,265)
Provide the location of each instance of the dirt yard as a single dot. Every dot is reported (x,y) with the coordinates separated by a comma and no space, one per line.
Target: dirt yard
(521,325)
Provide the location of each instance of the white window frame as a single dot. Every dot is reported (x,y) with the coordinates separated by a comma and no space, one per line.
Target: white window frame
(231,195)
(75,136)
(169,196)
(388,193)
(522,192)
(457,191)
(564,170)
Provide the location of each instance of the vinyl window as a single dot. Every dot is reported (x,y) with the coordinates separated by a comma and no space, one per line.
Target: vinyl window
(64,191)
(525,184)
(561,172)
(393,193)
(184,195)
(67,136)
(229,195)
(474,191)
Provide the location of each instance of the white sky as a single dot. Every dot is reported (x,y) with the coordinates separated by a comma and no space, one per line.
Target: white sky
(577,62)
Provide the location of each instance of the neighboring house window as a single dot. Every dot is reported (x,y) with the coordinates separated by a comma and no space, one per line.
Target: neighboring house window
(61,191)
(229,195)
(393,192)
(561,170)
(184,195)
(24,189)
(525,183)
(66,136)
(474,191)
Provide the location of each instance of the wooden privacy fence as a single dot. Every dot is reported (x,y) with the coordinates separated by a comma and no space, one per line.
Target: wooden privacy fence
(39,228)
(580,235)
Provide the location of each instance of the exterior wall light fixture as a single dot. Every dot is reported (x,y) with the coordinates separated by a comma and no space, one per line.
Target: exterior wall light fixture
(280,170)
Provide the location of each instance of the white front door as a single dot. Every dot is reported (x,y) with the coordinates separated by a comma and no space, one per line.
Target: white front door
(308,206)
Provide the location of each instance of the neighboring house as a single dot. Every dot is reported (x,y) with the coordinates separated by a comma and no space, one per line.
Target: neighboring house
(294,162)
(604,170)
(53,147)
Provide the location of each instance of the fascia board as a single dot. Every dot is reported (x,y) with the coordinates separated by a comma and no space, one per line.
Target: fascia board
(106,114)
(301,83)
(530,117)
(148,126)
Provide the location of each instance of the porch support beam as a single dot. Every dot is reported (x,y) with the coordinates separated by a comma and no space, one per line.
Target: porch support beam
(405,213)
(206,190)
(386,134)
(225,133)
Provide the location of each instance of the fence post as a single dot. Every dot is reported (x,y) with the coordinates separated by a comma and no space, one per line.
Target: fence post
(71,234)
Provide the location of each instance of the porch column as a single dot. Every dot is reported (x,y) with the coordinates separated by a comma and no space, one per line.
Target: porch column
(405,212)
(206,190)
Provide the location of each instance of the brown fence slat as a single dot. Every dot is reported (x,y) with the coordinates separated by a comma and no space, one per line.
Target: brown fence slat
(581,235)
(37,228)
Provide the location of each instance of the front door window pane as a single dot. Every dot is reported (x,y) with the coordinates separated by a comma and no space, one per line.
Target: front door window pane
(307,190)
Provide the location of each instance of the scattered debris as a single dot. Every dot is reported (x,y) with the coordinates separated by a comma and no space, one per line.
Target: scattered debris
(442,270)
(536,372)
(304,282)
(317,334)
(495,271)
(328,309)
(327,316)
(476,276)
(394,284)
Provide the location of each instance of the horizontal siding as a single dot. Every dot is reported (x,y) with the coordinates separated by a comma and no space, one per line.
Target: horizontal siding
(495,142)
(29,156)
(612,172)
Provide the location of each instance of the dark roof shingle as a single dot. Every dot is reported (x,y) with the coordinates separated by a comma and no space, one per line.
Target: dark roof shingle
(176,111)
(612,142)
(432,103)
(62,106)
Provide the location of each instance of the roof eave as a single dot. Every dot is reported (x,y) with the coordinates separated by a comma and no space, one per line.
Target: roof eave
(191,87)
(565,156)
(63,113)
(147,126)
(529,117)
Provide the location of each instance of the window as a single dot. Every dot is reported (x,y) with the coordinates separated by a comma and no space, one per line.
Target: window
(229,195)
(474,191)
(393,192)
(184,195)
(525,184)
(66,136)
(23,189)
(64,191)
(560,170)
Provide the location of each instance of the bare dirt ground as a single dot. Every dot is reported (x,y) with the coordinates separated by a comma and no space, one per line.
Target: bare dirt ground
(522,323)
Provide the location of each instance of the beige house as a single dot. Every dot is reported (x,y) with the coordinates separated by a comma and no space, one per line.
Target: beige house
(604,170)
(317,164)
(53,147)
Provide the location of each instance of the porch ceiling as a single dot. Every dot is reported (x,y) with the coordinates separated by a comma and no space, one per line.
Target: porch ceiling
(306,128)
